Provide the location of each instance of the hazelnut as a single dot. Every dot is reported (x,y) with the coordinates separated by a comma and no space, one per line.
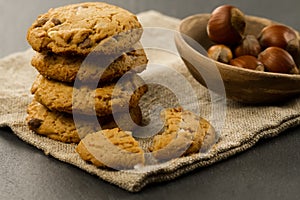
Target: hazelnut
(249,46)
(226,25)
(279,36)
(220,52)
(248,62)
(278,60)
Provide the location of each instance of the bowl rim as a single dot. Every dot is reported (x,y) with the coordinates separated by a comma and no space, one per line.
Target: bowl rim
(228,66)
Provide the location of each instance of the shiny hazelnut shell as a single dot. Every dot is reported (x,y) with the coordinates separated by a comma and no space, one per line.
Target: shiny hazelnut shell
(278,60)
(279,36)
(226,25)
(248,62)
(220,52)
(248,46)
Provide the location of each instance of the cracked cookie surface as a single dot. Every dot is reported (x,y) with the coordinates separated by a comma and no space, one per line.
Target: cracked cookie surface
(111,148)
(84,27)
(101,101)
(67,69)
(184,133)
(61,127)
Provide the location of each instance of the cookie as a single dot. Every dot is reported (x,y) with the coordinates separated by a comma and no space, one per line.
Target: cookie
(184,133)
(84,27)
(111,148)
(62,97)
(65,68)
(61,126)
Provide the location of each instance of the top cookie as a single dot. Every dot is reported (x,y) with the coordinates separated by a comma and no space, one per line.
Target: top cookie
(81,28)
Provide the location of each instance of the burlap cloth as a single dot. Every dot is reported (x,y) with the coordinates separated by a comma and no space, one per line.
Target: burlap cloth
(244,125)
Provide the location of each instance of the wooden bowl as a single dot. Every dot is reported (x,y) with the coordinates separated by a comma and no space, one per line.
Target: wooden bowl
(243,85)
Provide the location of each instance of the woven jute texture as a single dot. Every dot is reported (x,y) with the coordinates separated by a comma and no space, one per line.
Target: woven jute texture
(243,125)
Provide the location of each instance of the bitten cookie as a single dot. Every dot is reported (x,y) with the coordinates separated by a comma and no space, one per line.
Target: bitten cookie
(65,69)
(184,133)
(61,126)
(111,148)
(84,27)
(103,101)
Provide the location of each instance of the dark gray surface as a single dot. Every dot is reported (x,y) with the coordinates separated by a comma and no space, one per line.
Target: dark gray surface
(270,170)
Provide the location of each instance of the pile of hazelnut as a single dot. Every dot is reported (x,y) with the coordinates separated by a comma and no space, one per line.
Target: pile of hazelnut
(273,50)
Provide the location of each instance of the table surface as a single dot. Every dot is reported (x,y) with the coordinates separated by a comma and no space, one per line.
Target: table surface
(269,170)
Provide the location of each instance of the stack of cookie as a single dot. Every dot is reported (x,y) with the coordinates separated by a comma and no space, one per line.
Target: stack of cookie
(88,56)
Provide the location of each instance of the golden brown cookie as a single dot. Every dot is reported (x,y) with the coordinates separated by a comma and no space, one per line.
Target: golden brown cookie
(61,126)
(84,27)
(184,133)
(66,68)
(62,97)
(111,148)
